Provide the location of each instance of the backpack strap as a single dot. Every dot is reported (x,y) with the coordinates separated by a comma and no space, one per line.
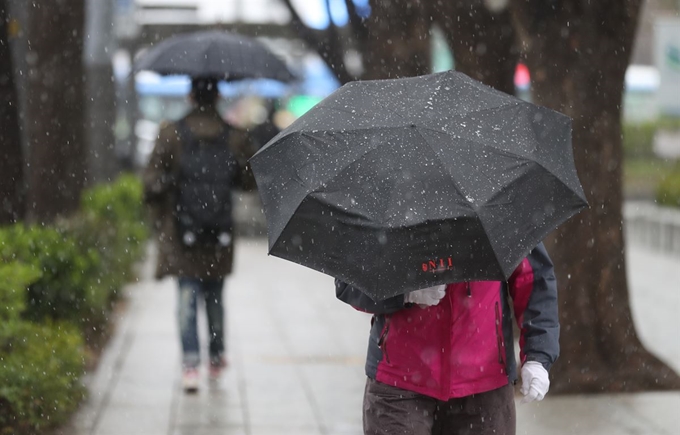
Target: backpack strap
(184,134)
(188,143)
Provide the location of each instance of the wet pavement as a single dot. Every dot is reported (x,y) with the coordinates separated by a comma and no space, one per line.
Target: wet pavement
(296,361)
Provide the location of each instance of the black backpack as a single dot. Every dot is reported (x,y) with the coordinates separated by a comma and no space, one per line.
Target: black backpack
(208,171)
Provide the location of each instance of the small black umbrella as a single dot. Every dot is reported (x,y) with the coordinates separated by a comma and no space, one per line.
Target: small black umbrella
(213,53)
(395,185)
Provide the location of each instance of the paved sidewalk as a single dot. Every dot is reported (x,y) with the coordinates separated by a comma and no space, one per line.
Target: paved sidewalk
(297,356)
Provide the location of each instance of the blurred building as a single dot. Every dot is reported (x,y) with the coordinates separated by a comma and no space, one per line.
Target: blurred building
(649,91)
(212,11)
(141,23)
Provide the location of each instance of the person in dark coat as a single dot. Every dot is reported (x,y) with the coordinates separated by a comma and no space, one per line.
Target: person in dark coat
(266,130)
(441,360)
(200,268)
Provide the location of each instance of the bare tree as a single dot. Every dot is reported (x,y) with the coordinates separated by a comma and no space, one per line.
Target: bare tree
(578,53)
(331,43)
(54,108)
(11,158)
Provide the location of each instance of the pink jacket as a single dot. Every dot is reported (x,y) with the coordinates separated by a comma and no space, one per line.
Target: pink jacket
(463,345)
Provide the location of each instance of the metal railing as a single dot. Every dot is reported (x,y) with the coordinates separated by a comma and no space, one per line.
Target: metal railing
(652,226)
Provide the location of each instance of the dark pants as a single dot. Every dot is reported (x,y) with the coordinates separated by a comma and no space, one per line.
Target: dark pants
(391,411)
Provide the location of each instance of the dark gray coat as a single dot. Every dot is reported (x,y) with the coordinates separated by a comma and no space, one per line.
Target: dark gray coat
(173,257)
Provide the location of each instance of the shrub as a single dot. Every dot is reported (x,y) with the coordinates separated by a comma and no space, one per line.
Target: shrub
(668,190)
(83,260)
(67,288)
(40,370)
(112,224)
(119,206)
(638,138)
(14,280)
(40,364)
(56,287)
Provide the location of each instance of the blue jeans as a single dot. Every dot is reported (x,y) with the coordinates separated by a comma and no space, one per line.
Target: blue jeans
(211,290)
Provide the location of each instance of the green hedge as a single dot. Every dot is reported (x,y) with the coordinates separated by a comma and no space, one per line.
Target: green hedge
(112,224)
(85,260)
(57,285)
(638,138)
(67,288)
(119,204)
(40,364)
(668,190)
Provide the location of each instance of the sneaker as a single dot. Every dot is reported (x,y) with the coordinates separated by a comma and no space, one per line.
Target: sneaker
(190,380)
(217,365)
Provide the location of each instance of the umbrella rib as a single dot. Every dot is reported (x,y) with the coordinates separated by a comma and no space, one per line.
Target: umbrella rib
(336,108)
(530,158)
(313,189)
(363,112)
(547,229)
(396,113)
(486,89)
(442,165)
(477,111)
(438,86)
(472,207)
(506,152)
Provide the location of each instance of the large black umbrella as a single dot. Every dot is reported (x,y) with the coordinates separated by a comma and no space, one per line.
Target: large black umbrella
(395,185)
(213,53)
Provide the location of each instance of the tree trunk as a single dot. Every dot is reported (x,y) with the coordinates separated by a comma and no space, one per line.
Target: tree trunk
(54,108)
(482,41)
(399,40)
(578,53)
(11,156)
(103,165)
(101,93)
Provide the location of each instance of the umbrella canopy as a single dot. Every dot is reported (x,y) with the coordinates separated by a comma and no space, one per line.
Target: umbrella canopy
(395,185)
(218,54)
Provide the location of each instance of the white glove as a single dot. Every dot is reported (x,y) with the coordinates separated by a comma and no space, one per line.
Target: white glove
(426,297)
(535,382)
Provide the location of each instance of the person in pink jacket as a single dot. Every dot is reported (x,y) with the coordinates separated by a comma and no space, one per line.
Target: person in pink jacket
(441,360)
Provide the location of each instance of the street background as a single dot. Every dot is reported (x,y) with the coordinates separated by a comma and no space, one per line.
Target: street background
(77,323)
(296,361)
